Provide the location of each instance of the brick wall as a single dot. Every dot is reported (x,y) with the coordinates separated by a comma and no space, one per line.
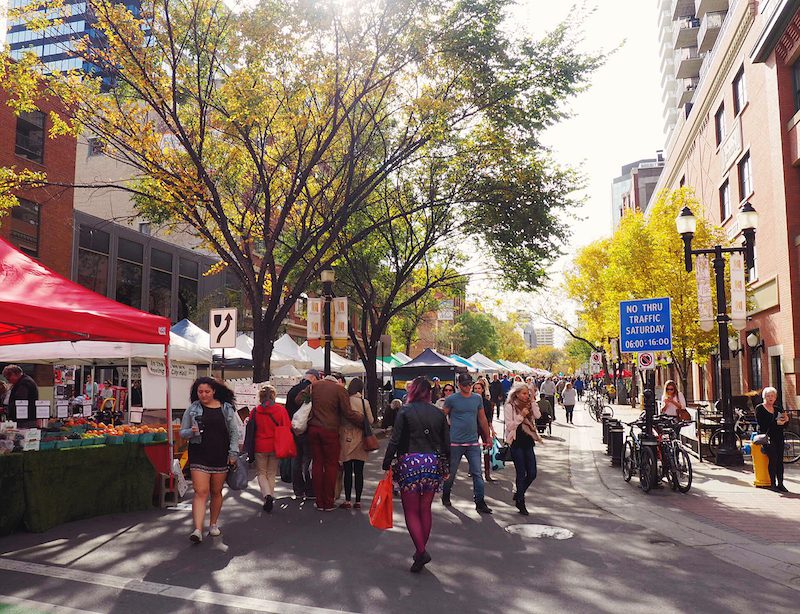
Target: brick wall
(56,203)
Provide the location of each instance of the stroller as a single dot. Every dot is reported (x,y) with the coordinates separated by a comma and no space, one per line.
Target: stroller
(546,421)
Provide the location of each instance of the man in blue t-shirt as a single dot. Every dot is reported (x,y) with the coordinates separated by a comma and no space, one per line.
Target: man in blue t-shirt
(466,415)
(507,383)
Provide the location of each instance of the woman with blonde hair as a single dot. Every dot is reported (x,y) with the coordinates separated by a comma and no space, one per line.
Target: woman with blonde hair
(267,416)
(520,413)
(351,438)
(673,403)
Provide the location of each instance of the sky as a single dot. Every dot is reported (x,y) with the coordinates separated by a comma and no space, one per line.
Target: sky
(616,121)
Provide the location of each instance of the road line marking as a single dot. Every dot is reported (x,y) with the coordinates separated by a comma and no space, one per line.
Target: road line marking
(41,606)
(164,590)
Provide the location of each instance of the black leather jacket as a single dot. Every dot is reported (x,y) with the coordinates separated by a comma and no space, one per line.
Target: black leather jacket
(421,428)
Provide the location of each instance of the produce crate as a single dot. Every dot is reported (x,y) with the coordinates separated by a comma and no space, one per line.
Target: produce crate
(132,437)
(115,440)
(146,437)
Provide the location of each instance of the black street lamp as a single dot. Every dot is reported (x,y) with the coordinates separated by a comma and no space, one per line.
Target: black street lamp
(328,277)
(747,217)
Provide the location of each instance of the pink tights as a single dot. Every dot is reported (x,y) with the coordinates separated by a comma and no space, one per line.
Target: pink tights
(417,510)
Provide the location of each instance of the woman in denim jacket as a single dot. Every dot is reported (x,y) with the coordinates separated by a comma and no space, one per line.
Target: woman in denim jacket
(212,430)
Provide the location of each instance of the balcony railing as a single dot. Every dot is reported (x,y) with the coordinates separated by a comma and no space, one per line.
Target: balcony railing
(701,7)
(686,33)
(710,27)
(688,63)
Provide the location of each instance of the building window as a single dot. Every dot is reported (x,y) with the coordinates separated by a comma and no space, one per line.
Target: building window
(93,259)
(755,367)
(189,273)
(25,219)
(144,228)
(130,260)
(160,283)
(796,80)
(95,146)
(719,124)
(30,136)
(739,94)
(745,177)
(682,181)
(724,201)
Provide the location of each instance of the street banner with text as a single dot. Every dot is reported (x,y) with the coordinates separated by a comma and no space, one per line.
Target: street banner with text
(738,293)
(704,298)
(340,322)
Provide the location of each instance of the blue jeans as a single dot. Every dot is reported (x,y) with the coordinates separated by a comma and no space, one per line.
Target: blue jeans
(473,454)
(525,465)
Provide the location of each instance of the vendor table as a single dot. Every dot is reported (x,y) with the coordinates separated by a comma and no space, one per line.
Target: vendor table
(70,484)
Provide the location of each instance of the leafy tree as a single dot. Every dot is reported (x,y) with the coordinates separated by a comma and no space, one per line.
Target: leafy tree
(512,344)
(268,130)
(475,332)
(545,357)
(644,259)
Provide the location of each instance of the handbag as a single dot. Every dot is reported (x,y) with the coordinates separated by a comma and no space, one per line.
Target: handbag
(300,418)
(504,454)
(381,510)
(497,462)
(237,475)
(370,441)
(762,439)
(284,440)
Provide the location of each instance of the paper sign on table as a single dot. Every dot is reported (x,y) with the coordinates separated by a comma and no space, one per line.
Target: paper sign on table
(87,408)
(22,409)
(42,409)
(62,409)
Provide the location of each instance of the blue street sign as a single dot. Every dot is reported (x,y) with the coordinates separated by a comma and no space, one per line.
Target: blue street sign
(645,325)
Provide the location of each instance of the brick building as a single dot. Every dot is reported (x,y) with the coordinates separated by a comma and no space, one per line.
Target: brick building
(41,225)
(737,142)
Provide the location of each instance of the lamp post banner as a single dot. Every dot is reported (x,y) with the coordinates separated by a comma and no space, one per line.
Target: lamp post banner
(645,325)
(314,322)
(340,321)
(738,292)
(704,299)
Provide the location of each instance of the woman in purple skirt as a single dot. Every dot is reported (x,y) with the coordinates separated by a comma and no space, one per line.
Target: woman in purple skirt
(421,442)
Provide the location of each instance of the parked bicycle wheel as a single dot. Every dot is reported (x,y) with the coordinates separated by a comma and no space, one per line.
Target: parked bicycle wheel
(791,447)
(715,441)
(647,469)
(628,462)
(681,469)
(607,411)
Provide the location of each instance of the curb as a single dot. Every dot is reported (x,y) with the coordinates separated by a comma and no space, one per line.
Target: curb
(771,561)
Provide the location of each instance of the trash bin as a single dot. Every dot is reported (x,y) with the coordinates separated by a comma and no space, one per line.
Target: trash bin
(760,466)
(605,428)
(616,436)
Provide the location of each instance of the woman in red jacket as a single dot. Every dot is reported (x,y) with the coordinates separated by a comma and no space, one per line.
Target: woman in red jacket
(267,416)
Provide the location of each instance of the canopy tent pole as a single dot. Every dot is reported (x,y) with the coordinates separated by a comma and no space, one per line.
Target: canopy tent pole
(170,436)
(130,377)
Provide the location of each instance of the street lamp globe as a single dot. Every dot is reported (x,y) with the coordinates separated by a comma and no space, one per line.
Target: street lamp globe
(747,217)
(752,340)
(686,222)
(733,344)
(328,276)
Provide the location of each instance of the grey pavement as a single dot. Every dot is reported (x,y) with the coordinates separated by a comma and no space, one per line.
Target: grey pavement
(300,560)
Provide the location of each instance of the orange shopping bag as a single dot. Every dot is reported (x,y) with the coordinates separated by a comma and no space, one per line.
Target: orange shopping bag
(380,512)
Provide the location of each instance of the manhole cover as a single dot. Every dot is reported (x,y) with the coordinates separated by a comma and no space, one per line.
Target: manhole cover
(538,531)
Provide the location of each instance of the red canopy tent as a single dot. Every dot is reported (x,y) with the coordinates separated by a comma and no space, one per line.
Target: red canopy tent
(38,305)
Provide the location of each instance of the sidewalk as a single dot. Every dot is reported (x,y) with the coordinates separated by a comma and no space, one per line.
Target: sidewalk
(723,513)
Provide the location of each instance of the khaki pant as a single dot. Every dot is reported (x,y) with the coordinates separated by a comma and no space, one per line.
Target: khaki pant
(266,468)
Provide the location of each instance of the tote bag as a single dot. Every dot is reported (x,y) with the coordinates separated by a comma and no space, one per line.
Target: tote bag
(370,441)
(300,418)
(381,511)
(237,476)
(284,440)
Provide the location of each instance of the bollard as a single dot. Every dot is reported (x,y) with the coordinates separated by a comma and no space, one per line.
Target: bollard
(760,466)
(606,420)
(616,437)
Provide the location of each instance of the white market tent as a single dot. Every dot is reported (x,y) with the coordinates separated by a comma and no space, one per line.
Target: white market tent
(486,364)
(110,352)
(191,331)
(404,358)
(338,363)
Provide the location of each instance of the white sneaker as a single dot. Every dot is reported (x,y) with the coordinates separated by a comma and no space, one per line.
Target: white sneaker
(196,536)
(214,531)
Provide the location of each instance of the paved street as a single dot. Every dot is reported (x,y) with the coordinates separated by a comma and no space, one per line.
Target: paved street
(629,552)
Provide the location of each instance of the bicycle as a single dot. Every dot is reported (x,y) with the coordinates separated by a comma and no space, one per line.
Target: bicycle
(597,408)
(675,461)
(743,427)
(638,459)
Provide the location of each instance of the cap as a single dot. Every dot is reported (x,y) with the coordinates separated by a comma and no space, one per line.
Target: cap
(434,379)
(464,379)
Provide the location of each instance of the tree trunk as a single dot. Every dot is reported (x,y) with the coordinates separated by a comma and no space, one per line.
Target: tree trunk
(263,343)
(371,385)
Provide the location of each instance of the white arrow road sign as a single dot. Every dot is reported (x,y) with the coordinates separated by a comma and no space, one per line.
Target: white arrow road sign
(222,328)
